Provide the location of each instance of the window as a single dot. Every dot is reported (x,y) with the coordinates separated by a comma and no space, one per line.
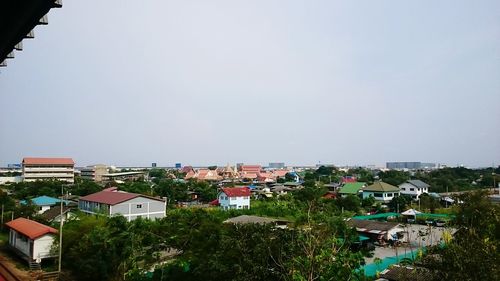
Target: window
(139,206)
(245,206)
(377,194)
(412,189)
(403,188)
(390,194)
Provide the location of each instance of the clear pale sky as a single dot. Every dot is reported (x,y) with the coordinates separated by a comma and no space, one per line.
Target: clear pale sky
(215,82)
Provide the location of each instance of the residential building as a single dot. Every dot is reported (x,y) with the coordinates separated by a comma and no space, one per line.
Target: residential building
(54,214)
(44,203)
(112,202)
(351,188)
(94,172)
(414,188)
(62,169)
(30,239)
(377,230)
(381,191)
(234,198)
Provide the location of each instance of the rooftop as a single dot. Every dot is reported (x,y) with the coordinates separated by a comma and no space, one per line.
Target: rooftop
(351,187)
(381,186)
(30,228)
(47,161)
(236,191)
(244,219)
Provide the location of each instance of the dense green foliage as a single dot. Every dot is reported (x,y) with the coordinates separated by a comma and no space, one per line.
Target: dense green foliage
(474,251)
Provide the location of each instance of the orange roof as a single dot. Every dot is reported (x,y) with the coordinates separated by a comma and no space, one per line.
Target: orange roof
(48,161)
(236,191)
(30,228)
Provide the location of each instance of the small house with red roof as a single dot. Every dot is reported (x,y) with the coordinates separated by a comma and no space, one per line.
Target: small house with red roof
(31,239)
(112,202)
(234,198)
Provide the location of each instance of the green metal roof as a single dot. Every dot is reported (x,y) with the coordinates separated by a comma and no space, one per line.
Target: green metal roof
(351,187)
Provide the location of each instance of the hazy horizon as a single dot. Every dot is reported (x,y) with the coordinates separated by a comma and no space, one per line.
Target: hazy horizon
(129,83)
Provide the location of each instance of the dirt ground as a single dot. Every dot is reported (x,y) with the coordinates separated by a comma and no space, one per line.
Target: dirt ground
(416,236)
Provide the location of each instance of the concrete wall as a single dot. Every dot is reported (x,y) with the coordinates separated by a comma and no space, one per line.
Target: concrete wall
(140,206)
(42,246)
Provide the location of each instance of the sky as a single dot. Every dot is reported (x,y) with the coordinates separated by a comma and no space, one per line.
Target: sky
(129,83)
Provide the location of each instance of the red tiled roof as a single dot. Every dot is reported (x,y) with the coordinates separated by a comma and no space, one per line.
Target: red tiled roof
(47,161)
(109,197)
(236,191)
(112,196)
(30,228)
(280,173)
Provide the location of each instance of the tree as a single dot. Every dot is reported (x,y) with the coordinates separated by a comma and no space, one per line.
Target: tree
(399,203)
(473,252)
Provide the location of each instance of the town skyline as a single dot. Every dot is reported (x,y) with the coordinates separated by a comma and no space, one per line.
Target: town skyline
(222,82)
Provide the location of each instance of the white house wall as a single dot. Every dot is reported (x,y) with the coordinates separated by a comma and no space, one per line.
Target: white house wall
(238,202)
(130,209)
(42,246)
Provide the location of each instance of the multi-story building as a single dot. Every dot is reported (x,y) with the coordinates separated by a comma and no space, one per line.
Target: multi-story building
(234,198)
(62,169)
(94,173)
(414,188)
(409,165)
(112,202)
(277,165)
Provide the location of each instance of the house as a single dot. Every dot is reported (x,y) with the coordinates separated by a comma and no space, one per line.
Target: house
(30,239)
(381,191)
(414,188)
(234,198)
(244,219)
(54,214)
(377,230)
(112,202)
(62,169)
(44,203)
(351,188)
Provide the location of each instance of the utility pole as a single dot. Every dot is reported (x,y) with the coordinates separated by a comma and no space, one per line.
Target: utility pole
(2,218)
(60,230)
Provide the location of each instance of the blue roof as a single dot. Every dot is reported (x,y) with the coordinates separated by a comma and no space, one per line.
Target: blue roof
(44,201)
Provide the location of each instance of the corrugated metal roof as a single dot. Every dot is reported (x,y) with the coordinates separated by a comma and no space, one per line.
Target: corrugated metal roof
(47,161)
(30,228)
(381,186)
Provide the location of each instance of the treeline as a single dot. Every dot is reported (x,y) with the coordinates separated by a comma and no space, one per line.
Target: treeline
(195,244)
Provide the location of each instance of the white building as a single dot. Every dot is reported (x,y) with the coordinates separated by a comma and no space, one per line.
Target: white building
(381,191)
(112,202)
(62,169)
(414,188)
(234,198)
(32,240)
